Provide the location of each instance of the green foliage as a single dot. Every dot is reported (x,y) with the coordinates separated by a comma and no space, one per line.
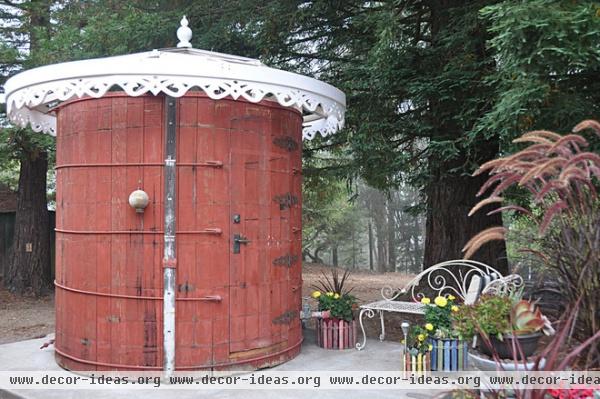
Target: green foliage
(441,319)
(340,306)
(335,296)
(416,342)
(329,217)
(548,59)
(434,88)
(490,316)
(335,284)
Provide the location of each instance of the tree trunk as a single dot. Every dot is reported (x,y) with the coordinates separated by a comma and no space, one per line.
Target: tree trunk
(29,262)
(334,256)
(371,249)
(451,193)
(448,228)
(379,215)
(391,235)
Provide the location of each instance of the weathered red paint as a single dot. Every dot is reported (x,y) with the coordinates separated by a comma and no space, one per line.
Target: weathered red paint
(230,160)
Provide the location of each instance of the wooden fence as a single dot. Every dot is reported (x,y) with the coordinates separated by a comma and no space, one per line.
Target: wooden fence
(336,334)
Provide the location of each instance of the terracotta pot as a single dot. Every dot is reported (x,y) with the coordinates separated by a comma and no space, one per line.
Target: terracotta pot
(504,349)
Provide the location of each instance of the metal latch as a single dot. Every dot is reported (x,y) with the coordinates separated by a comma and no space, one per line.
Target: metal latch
(237,240)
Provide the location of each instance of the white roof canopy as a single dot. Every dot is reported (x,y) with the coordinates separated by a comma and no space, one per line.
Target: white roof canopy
(31,95)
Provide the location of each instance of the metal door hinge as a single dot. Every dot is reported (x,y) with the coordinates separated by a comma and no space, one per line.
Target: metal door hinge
(286,142)
(286,317)
(285,260)
(286,200)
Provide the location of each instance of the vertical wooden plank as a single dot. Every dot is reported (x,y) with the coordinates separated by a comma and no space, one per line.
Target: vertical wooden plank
(433,343)
(454,355)
(440,355)
(446,355)
(459,351)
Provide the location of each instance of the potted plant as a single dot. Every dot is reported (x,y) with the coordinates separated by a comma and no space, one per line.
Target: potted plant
(336,324)
(499,321)
(562,217)
(448,349)
(417,354)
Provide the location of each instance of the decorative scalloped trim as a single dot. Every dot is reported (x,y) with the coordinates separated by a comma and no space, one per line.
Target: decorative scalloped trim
(21,103)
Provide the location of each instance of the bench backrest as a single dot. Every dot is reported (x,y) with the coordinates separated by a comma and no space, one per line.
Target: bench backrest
(465,279)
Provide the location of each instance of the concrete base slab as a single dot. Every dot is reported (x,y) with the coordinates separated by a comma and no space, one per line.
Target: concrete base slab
(379,356)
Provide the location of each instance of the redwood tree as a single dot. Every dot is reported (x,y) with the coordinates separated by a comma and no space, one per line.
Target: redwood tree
(29,258)
(416,77)
(25,24)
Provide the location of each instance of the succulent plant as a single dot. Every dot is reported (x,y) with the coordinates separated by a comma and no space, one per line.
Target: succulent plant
(526,318)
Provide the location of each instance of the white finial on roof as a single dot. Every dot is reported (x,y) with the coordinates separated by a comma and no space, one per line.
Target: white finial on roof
(184,34)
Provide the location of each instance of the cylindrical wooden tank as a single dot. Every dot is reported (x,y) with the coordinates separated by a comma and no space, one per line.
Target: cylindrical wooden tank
(238,233)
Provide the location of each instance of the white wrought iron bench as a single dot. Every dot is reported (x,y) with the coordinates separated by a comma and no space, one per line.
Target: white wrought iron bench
(465,279)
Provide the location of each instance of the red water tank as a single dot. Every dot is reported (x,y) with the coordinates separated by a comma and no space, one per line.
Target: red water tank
(238,233)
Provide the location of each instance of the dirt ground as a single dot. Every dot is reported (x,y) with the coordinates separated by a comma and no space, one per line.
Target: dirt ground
(24,318)
(367,288)
(367,285)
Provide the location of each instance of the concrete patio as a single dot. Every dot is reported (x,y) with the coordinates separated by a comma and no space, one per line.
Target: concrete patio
(379,356)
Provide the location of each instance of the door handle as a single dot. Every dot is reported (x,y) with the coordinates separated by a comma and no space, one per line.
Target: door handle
(237,240)
(208,298)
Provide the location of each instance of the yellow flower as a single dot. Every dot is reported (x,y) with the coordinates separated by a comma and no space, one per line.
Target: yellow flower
(451,297)
(421,337)
(329,293)
(441,301)
(316,294)
(454,308)
(429,327)
(426,301)
(430,347)
(336,296)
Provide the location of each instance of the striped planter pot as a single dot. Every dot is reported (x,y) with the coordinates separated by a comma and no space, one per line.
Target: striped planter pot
(419,363)
(449,354)
(336,334)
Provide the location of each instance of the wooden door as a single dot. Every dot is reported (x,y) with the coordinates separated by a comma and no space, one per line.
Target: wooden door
(259,285)
(202,239)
